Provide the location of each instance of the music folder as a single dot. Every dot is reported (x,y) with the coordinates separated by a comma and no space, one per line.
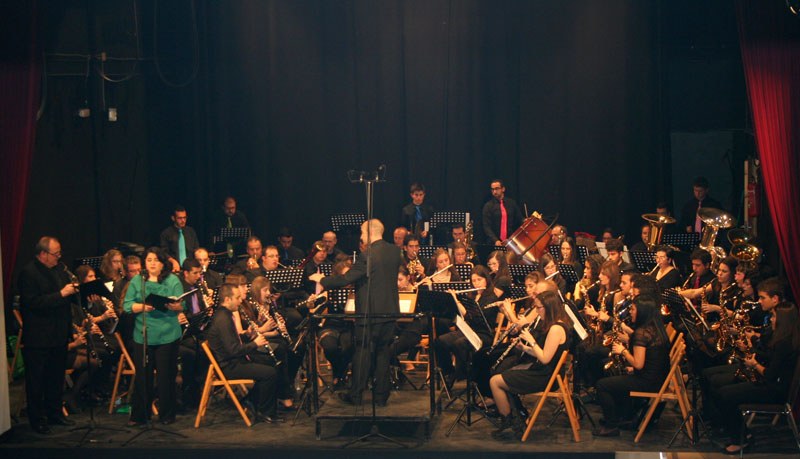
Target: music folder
(160,302)
(95,287)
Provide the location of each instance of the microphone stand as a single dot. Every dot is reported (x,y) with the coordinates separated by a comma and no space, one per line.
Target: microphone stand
(90,349)
(148,427)
(369,182)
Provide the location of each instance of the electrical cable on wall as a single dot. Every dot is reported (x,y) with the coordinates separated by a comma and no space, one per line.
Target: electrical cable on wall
(196,65)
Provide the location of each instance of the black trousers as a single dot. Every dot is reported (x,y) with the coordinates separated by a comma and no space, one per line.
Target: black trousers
(728,398)
(337,343)
(457,344)
(44,381)
(163,358)
(284,386)
(262,394)
(372,352)
(613,394)
(712,378)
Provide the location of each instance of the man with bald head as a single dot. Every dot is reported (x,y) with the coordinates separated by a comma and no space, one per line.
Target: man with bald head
(330,240)
(46,294)
(376,293)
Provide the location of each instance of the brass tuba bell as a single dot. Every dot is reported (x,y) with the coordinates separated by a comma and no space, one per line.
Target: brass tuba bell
(714,220)
(657,224)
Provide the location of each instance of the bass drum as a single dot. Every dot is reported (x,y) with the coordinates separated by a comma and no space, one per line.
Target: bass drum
(534,234)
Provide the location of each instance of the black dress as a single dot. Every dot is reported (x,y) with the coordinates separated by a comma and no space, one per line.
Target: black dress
(613,393)
(532,376)
(671,279)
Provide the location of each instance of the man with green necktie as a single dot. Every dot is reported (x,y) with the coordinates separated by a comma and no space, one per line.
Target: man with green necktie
(179,240)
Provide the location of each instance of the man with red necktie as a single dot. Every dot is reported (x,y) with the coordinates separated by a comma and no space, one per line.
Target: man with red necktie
(501,215)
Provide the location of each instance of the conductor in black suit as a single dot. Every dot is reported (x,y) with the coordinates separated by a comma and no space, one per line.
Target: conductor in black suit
(373,337)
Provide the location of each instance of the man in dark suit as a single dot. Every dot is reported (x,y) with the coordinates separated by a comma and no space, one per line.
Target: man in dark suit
(287,250)
(45,304)
(689,219)
(501,215)
(415,214)
(179,240)
(376,293)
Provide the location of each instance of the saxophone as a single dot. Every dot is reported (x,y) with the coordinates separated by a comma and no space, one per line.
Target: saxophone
(412,268)
(615,366)
(468,241)
(743,373)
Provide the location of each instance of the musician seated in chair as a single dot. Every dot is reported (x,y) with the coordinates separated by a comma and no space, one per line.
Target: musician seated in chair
(415,265)
(192,365)
(481,321)
(761,382)
(500,274)
(649,360)
(534,370)
(233,357)
(615,247)
(438,267)
(336,337)
(250,267)
(103,319)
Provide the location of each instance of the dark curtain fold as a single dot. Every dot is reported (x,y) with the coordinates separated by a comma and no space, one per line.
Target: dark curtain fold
(20,76)
(770,42)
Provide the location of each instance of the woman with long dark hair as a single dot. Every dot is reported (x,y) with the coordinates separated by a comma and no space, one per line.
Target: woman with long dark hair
(500,274)
(649,357)
(163,337)
(534,370)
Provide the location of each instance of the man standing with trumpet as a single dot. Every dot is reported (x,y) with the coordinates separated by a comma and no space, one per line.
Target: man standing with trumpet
(45,295)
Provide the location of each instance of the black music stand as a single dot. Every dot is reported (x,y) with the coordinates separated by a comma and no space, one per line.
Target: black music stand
(644,261)
(443,221)
(519,271)
(94,262)
(338,221)
(285,279)
(688,241)
(426,251)
(517,291)
(583,253)
(554,250)
(464,271)
(445,286)
(310,388)
(436,304)
(568,273)
(217,262)
(471,391)
(232,236)
(694,414)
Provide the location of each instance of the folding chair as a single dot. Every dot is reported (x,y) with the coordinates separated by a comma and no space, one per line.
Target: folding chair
(672,388)
(562,393)
(776,409)
(216,378)
(125,367)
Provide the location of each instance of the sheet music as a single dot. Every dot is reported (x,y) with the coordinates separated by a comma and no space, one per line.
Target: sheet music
(110,286)
(405,305)
(468,332)
(575,323)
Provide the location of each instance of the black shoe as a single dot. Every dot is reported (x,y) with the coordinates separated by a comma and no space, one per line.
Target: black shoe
(272,418)
(251,409)
(60,420)
(41,428)
(381,401)
(345,397)
(606,432)
(168,420)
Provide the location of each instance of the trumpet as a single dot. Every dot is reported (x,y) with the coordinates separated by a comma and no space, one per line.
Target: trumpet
(412,267)
(498,303)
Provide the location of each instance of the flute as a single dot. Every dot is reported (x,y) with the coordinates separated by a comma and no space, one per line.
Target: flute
(457,292)
(498,303)
(432,275)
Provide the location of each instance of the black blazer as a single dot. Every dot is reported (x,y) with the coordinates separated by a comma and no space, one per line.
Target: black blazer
(46,315)
(169,241)
(383,296)
(409,216)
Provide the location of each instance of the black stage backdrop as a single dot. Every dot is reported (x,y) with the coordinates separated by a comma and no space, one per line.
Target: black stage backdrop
(563,100)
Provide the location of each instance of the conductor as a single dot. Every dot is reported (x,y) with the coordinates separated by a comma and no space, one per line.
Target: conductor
(376,293)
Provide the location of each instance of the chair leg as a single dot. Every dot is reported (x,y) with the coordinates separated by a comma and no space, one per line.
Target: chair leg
(116,385)
(201,410)
(741,439)
(568,408)
(533,417)
(790,418)
(653,404)
(238,405)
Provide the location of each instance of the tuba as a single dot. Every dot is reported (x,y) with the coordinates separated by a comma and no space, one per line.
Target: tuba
(657,224)
(714,220)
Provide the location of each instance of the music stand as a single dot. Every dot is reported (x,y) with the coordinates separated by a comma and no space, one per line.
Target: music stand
(554,250)
(436,304)
(644,261)
(687,241)
(426,251)
(583,253)
(445,286)
(519,272)
(217,262)
(338,221)
(464,271)
(449,217)
(568,273)
(94,262)
(285,279)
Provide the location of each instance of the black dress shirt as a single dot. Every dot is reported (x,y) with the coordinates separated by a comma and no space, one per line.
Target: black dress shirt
(169,241)
(292,253)
(46,315)
(223,340)
(492,216)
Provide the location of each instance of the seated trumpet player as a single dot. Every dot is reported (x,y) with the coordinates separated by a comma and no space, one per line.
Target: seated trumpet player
(647,355)
(415,265)
(482,322)
(250,267)
(767,379)
(534,369)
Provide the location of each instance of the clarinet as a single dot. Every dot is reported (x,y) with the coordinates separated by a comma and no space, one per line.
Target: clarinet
(505,334)
(252,325)
(274,315)
(74,280)
(513,342)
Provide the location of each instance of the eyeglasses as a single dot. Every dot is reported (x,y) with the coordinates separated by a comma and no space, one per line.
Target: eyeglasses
(55,254)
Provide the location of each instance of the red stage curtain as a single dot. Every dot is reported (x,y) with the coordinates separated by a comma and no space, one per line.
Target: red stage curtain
(20,77)
(770,43)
